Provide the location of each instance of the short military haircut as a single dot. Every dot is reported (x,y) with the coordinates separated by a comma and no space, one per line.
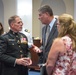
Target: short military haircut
(12,19)
(46,8)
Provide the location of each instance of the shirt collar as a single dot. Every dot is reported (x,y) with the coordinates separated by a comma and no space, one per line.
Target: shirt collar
(52,23)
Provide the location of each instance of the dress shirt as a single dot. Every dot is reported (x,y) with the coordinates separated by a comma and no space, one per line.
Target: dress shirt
(52,23)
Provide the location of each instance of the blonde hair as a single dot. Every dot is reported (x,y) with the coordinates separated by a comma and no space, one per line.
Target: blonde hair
(68,27)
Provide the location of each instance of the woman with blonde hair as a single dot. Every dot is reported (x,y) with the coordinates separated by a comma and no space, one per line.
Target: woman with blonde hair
(62,56)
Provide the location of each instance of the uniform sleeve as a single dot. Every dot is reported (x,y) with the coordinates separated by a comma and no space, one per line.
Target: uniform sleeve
(3,53)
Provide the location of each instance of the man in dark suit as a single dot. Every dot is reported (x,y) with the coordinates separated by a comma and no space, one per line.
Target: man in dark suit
(14,53)
(46,17)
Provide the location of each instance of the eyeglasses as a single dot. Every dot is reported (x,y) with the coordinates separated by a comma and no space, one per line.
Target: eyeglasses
(57,23)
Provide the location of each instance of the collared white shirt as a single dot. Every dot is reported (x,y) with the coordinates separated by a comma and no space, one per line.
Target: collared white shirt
(52,23)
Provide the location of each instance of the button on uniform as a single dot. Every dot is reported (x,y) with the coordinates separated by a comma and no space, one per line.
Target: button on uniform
(20,51)
(19,46)
(21,55)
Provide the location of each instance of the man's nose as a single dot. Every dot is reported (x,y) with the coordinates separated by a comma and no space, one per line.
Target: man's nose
(39,17)
(21,24)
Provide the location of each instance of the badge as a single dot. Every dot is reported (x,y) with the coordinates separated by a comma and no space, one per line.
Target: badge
(23,40)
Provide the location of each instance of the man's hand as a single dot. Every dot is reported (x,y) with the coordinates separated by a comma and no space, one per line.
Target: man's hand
(36,49)
(24,61)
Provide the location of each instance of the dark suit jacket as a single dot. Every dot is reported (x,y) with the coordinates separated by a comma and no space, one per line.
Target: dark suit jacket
(0,68)
(10,49)
(53,34)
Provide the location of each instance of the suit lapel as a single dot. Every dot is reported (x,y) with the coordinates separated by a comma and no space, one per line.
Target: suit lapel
(51,33)
(44,34)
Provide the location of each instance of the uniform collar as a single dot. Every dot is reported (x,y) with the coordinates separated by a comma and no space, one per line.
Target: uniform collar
(12,32)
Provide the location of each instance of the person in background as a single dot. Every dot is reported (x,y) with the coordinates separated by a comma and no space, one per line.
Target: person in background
(14,53)
(62,56)
(47,18)
(1,29)
(27,33)
(1,32)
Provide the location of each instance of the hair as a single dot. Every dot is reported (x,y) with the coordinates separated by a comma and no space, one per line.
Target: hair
(46,8)
(68,27)
(2,29)
(12,19)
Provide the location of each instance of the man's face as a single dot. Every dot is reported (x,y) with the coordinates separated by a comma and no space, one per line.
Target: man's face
(17,25)
(43,17)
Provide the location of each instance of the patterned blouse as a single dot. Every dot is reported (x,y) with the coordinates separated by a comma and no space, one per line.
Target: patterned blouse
(66,64)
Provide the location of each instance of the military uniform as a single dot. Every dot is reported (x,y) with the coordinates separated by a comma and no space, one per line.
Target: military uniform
(12,46)
(0,68)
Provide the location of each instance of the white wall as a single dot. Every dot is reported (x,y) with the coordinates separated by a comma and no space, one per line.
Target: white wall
(1,12)
(9,10)
(24,10)
(75,10)
(36,29)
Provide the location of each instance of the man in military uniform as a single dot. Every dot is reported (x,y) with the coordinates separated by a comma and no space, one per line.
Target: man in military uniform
(14,53)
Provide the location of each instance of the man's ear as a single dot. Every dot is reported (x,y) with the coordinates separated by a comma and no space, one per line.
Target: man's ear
(12,24)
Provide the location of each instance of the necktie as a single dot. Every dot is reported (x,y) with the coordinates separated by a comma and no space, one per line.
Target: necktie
(47,33)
